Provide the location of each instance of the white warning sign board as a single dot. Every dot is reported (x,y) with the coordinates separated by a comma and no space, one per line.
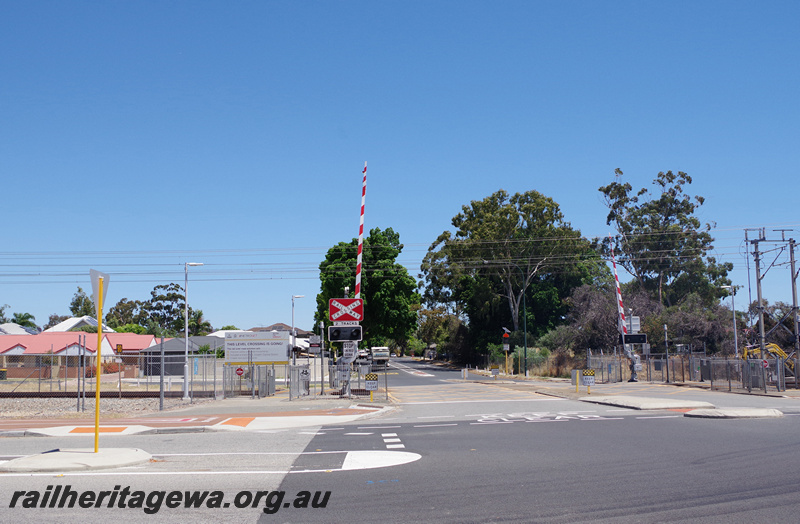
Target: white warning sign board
(264,347)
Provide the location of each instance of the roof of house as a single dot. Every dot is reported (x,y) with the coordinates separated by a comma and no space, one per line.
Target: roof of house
(221,332)
(76,322)
(130,341)
(172,345)
(44,343)
(208,340)
(280,326)
(11,328)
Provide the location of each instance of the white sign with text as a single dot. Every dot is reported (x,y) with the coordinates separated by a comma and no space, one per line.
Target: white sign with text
(258,347)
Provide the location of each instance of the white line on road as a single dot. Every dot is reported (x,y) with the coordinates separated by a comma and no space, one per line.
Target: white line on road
(482,401)
(663,416)
(435,425)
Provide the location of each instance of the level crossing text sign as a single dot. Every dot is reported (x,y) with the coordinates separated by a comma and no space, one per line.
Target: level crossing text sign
(588,377)
(344,309)
(257,347)
(371,381)
(349,350)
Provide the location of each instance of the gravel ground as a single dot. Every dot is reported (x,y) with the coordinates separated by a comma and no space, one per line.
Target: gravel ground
(67,407)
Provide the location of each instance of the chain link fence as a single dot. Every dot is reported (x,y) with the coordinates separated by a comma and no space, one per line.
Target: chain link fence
(144,375)
(752,375)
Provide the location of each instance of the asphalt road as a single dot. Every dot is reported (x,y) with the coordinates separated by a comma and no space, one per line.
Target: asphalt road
(462,452)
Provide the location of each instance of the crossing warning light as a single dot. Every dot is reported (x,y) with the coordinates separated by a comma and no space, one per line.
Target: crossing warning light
(344,333)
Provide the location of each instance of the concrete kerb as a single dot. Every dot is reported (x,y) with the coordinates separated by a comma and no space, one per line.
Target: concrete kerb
(647,403)
(59,460)
(731,413)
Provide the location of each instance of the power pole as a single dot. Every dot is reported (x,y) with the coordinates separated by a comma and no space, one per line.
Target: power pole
(759,277)
(794,298)
(756,256)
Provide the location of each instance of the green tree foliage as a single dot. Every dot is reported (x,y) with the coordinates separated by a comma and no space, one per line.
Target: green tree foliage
(3,318)
(125,312)
(130,328)
(592,322)
(229,327)
(661,242)
(25,320)
(81,305)
(198,326)
(506,248)
(165,309)
(388,291)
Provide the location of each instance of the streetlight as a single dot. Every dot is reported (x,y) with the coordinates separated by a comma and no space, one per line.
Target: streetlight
(294,335)
(733,307)
(186,326)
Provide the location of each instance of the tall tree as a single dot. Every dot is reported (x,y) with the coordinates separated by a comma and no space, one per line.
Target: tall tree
(125,312)
(3,318)
(165,309)
(388,291)
(81,304)
(504,246)
(660,240)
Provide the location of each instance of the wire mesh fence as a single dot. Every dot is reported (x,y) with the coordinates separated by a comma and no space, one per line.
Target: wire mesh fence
(143,374)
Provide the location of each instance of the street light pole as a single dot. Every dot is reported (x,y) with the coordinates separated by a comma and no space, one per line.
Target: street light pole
(294,335)
(733,307)
(186,327)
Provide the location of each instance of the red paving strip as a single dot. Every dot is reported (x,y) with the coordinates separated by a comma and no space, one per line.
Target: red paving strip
(238,421)
(101,429)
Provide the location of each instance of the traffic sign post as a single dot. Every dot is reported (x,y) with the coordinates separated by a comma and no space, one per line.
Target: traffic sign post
(371,383)
(588,379)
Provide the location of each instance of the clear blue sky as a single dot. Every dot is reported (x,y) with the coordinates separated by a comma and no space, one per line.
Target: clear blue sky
(140,135)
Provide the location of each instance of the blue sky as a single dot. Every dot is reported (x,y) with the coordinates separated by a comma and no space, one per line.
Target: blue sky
(141,135)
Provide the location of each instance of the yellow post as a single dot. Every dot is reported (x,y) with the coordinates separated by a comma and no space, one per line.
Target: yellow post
(98,366)
(370,396)
(578,381)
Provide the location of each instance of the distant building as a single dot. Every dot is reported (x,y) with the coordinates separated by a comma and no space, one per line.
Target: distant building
(15,329)
(75,323)
(301,333)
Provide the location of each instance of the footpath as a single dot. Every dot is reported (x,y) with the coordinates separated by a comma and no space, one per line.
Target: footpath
(649,396)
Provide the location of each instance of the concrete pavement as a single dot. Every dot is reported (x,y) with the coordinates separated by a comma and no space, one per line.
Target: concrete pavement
(637,395)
